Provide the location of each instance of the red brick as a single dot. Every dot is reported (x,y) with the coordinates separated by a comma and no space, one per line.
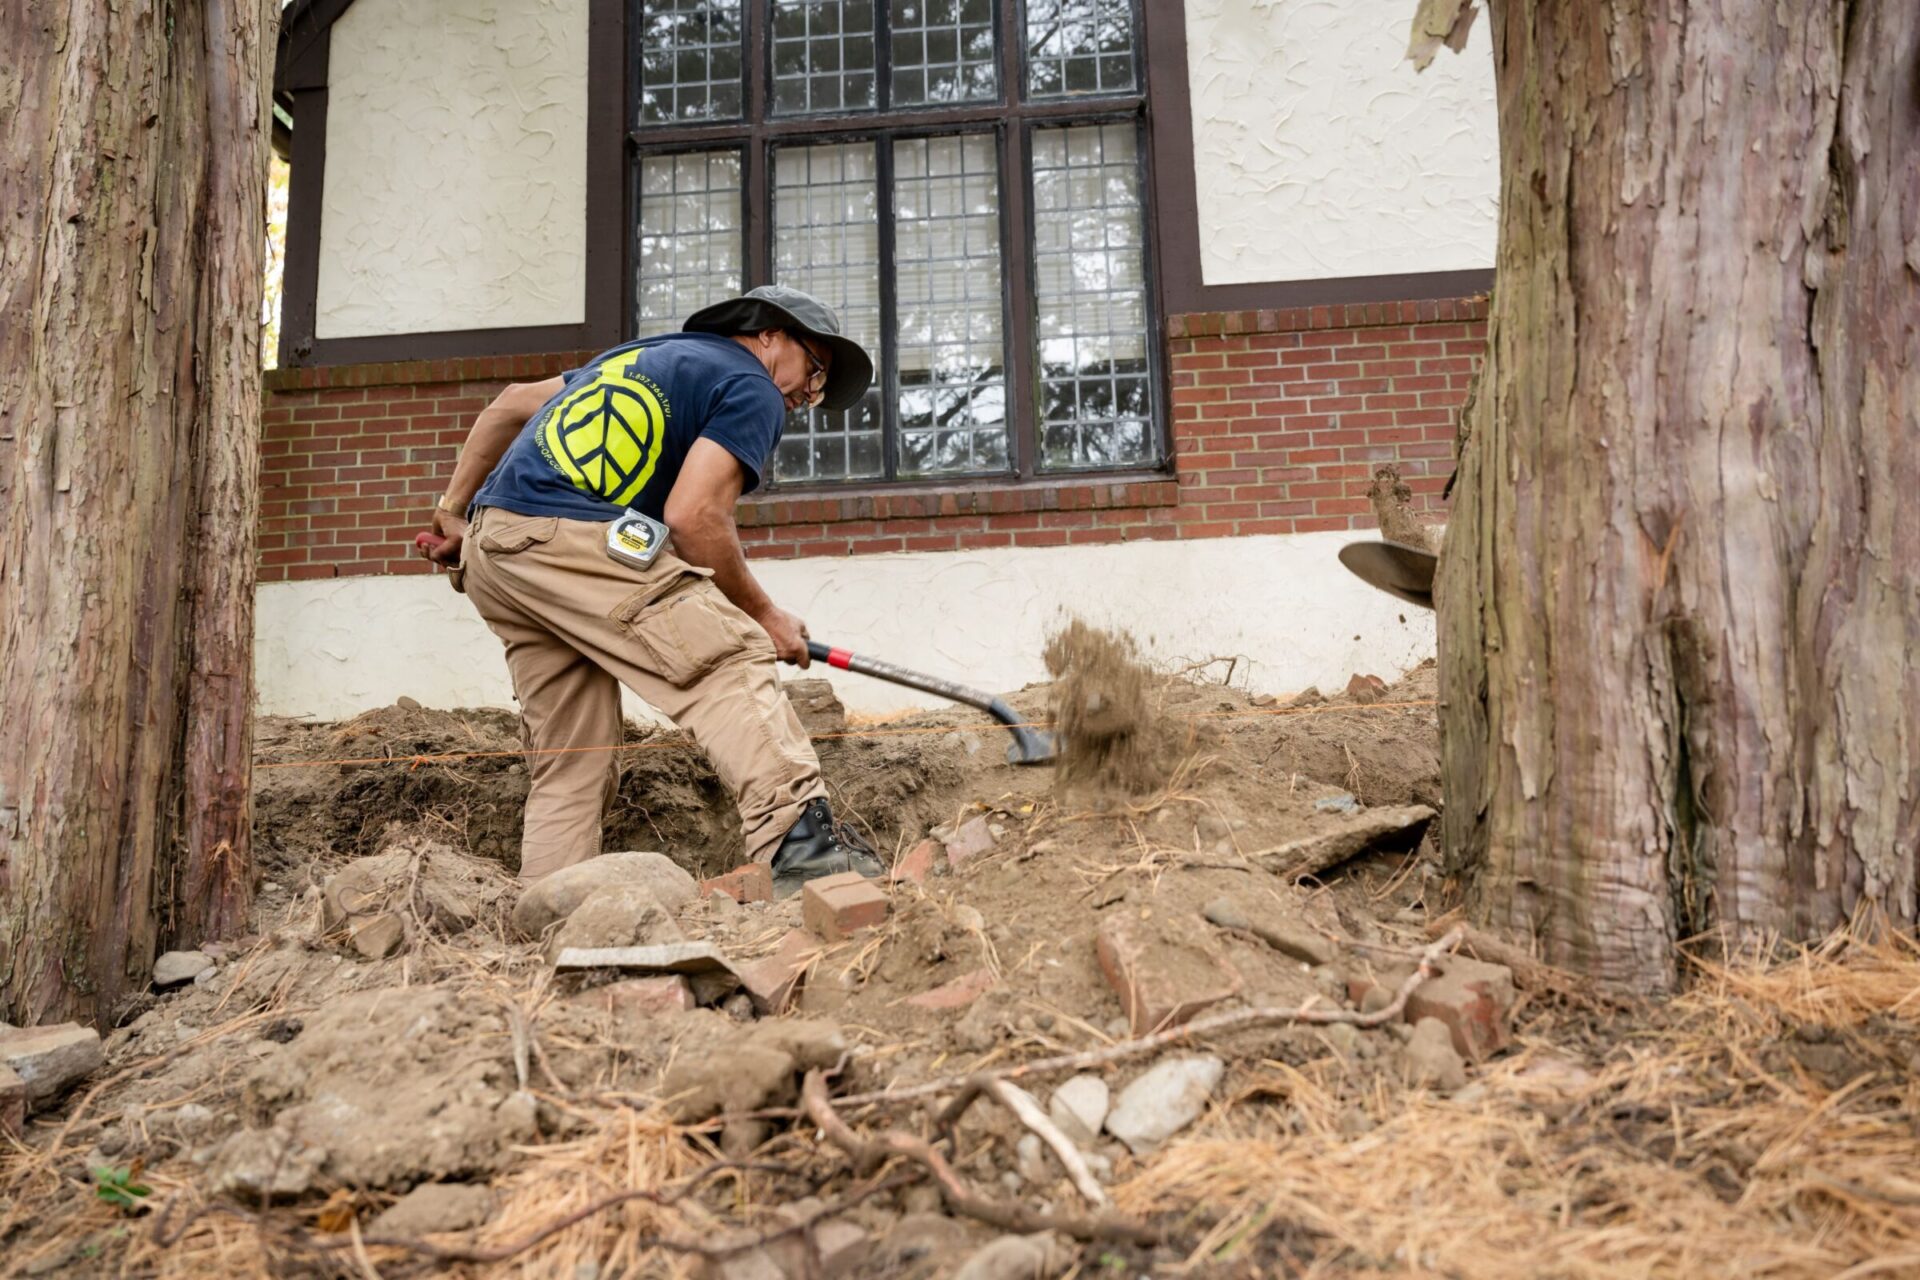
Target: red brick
(916,864)
(836,907)
(958,994)
(639,999)
(1162,980)
(750,883)
(773,981)
(1474,999)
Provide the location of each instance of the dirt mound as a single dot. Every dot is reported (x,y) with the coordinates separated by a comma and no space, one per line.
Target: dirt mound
(625,1131)
(1104,723)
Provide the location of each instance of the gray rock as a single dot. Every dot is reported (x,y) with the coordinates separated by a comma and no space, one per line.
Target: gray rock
(380,936)
(1032,1161)
(1079,1107)
(1166,1099)
(1289,937)
(617,915)
(176,967)
(554,897)
(1032,1257)
(1342,803)
(1431,1058)
(1311,855)
(436,1206)
(51,1060)
(265,1162)
(190,1119)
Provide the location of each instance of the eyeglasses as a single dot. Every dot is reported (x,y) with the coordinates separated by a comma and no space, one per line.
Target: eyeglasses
(817,380)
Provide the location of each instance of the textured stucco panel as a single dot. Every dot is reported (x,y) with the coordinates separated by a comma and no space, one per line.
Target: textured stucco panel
(455,189)
(333,647)
(1319,152)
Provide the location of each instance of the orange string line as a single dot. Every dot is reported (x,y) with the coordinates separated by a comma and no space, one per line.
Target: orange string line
(415,761)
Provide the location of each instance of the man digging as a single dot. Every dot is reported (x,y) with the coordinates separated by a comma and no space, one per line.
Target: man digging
(554,520)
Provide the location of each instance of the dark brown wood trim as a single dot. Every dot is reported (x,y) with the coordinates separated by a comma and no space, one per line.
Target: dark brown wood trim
(300,58)
(606,309)
(300,273)
(1177,211)
(450,344)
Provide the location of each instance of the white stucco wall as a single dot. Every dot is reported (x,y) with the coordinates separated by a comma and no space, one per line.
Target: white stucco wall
(1294,617)
(1319,152)
(455,187)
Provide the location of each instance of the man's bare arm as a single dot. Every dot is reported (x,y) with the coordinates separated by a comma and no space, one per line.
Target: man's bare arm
(493,432)
(700,513)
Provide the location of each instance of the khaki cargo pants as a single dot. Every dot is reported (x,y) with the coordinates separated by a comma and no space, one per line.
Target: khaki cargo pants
(577,625)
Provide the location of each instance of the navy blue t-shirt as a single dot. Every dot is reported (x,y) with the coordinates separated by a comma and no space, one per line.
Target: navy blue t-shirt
(617,433)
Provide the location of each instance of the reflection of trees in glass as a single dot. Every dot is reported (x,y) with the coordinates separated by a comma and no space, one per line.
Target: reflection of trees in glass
(688,237)
(823,56)
(942,51)
(1079,46)
(689,53)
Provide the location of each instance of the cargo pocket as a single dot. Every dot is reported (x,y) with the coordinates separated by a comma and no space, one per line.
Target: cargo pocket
(682,627)
(503,533)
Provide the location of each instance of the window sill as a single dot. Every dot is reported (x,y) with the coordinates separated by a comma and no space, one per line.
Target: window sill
(997,496)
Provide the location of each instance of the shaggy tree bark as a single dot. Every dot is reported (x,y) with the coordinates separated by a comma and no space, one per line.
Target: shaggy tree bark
(132,180)
(1680,596)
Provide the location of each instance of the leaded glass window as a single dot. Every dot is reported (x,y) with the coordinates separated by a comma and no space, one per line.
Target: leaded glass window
(962,180)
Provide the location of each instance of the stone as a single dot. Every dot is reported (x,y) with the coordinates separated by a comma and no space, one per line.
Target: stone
(957,994)
(971,839)
(616,915)
(1308,697)
(380,936)
(432,884)
(817,705)
(1473,999)
(1288,937)
(1164,1100)
(435,1207)
(985,1021)
(1431,1058)
(745,1067)
(1342,803)
(1263,700)
(256,1163)
(51,1060)
(1032,1162)
(1366,689)
(838,906)
(774,980)
(1162,980)
(750,883)
(190,1119)
(1079,1108)
(406,704)
(176,967)
(916,864)
(705,967)
(13,1104)
(638,999)
(1393,826)
(1035,1257)
(553,897)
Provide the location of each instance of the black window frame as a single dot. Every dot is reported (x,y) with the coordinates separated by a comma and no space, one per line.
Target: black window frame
(1010,120)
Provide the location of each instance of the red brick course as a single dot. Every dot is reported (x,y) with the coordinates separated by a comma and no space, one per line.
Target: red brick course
(1278,418)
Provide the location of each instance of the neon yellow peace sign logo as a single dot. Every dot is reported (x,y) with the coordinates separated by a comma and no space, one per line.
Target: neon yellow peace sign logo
(606,435)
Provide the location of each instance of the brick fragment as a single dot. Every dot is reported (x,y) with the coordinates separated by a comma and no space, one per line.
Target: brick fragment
(836,907)
(13,1104)
(640,999)
(1366,689)
(973,838)
(958,994)
(916,864)
(774,980)
(51,1059)
(750,883)
(1473,998)
(1162,981)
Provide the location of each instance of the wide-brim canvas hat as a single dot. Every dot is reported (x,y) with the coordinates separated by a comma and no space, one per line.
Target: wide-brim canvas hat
(774,306)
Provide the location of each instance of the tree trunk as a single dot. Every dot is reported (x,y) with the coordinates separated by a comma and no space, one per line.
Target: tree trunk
(1680,600)
(132,181)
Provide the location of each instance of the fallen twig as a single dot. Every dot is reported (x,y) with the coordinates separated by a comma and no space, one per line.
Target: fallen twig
(977,1082)
(870,1153)
(1022,1106)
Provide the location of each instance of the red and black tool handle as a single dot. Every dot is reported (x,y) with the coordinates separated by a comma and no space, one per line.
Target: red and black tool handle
(1030,746)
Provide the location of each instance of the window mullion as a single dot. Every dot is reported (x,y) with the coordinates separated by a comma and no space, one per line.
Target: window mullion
(1016,250)
(883,56)
(889,312)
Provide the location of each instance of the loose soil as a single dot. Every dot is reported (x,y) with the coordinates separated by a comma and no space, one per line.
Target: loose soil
(1759,1125)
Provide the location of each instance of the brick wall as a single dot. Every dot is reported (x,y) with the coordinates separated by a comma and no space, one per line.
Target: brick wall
(1278,420)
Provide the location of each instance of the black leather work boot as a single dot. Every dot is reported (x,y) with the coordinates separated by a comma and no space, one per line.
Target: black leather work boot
(817,846)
